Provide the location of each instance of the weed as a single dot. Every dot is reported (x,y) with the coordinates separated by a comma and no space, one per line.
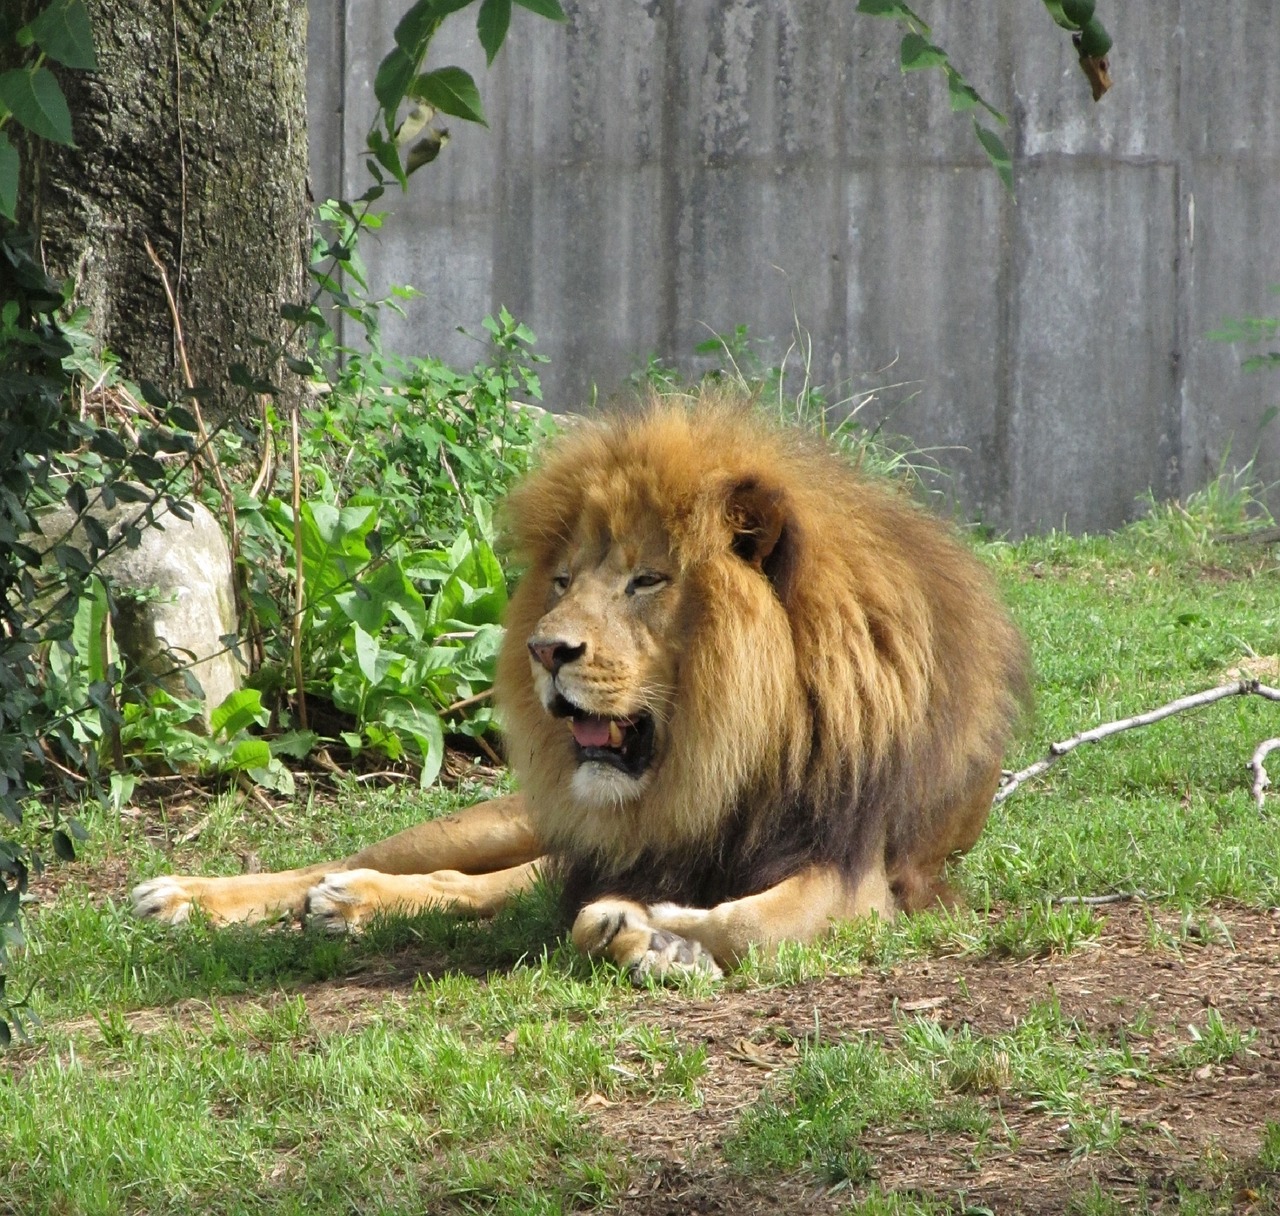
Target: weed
(1213,1043)
(1232,502)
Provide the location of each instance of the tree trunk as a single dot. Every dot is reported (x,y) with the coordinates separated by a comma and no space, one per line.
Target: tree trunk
(192,135)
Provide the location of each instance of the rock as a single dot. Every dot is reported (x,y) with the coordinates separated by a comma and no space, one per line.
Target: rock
(173,596)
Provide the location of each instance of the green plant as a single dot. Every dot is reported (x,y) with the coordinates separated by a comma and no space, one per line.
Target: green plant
(29,93)
(1232,502)
(1254,331)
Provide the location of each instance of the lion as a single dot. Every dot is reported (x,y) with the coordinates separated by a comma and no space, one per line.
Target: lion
(748,693)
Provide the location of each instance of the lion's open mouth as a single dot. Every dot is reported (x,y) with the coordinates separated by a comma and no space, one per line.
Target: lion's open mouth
(625,743)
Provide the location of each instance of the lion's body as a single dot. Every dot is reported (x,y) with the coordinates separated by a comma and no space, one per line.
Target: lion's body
(739,677)
(835,700)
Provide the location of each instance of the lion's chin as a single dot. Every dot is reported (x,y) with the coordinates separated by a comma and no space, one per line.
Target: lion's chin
(602,787)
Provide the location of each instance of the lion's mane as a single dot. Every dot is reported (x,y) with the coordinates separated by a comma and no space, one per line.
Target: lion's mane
(835,699)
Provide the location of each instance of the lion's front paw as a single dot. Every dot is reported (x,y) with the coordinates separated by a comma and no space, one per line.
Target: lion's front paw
(166,898)
(622,931)
(669,955)
(340,903)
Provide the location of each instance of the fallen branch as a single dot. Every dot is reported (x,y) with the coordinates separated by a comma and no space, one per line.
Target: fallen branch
(1260,779)
(1093,901)
(1240,688)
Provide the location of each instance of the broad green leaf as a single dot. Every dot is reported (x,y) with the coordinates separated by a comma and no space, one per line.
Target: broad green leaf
(297,744)
(963,96)
(250,753)
(63,847)
(1055,11)
(64,33)
(387,153)
(544,8)
(240,710)
(395,73)
(274,776)
(422,725)
(36,101)
(88,630)
(451,91)
(918,52)
(368,652)
(996,152)
(492,24)
(10,165)
(415,28)
(882,8)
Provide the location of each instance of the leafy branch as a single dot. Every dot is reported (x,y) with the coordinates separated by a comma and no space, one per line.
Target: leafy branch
(31,96)
(918,53)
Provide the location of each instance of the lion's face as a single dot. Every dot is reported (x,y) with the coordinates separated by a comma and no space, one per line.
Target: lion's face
(602,661)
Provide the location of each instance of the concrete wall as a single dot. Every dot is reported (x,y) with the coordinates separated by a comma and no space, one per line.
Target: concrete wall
(656,171)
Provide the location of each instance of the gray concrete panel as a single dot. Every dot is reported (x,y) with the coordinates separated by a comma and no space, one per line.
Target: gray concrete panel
(1095,411)
(660,169)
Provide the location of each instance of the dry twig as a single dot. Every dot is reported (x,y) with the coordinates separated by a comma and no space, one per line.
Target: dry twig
(1057,750)
(1261,781)
(210,452)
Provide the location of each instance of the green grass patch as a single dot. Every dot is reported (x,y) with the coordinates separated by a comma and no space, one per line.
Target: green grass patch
(439,1064)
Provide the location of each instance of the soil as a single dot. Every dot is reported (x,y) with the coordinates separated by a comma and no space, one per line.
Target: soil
(1193,1131)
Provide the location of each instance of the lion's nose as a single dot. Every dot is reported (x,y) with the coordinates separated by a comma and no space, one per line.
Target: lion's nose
(554,653)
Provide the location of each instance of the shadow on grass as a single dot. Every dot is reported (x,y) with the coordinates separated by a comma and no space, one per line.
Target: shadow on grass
(81,954)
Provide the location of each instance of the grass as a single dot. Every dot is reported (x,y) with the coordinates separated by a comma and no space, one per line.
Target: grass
(442,1065)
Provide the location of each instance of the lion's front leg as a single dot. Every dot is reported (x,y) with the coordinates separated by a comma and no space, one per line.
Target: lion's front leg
(349,899)
(485,845)
(665,938)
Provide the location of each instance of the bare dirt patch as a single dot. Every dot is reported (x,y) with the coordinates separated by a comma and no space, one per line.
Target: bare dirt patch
(1194,1129)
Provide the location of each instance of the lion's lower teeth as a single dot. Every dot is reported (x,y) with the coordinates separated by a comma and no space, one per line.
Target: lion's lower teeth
(615,735)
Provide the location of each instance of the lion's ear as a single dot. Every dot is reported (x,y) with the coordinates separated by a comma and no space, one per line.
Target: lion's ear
(763,533)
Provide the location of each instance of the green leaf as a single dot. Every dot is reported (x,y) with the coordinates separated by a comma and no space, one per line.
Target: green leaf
(274,777)
(388,155)
(881,8)
(250,753)
(238,711)
(549,9)
(10,165)
(451,91)
(414,29)
(918,52)
(491,25)
(422,725)
(63,847)
(296,744)
(368,651)
(996,152)
(1055,11)
(395,73)
(88,630)
(963,96)
(64,33)
(544,8)
(36,101)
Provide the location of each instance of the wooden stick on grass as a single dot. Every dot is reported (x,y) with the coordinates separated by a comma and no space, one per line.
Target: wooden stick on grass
(1239,688)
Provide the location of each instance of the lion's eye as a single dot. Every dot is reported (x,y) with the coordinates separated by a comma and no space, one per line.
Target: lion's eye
(561,582)
(649,580)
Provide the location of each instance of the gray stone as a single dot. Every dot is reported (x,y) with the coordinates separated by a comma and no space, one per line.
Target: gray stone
(173,595)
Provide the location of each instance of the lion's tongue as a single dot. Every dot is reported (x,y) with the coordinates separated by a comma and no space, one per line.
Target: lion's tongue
(592,732)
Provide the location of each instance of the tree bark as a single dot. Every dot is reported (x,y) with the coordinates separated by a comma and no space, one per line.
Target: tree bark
(192,135)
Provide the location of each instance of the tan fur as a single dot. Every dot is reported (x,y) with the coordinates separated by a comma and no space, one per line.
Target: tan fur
(830,678)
